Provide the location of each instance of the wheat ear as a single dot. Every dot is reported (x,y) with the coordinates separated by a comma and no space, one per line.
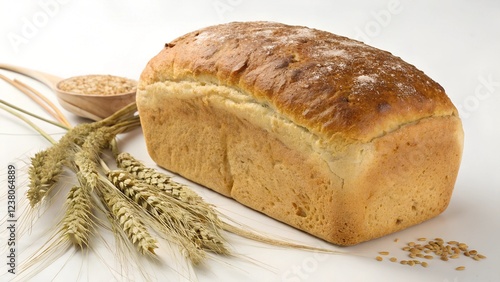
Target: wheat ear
(47,165)
(37,186)
(153,177)
(44,171)
(77,222)
(86,158)
(181,192)
(124,214)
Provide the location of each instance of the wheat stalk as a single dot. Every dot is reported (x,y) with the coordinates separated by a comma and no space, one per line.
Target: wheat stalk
(46,166)
(196,234)
(14,107)
(166,220)
(7,107)
(37,95)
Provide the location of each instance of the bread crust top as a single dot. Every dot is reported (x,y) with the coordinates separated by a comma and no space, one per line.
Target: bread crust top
(333,86)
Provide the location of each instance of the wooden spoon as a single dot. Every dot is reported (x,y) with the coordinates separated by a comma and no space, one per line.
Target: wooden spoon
(94,107)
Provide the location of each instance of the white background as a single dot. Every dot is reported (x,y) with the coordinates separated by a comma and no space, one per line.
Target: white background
(457,43)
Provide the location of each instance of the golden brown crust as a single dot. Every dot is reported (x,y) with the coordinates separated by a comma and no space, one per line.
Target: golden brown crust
(332,85)
(326,134)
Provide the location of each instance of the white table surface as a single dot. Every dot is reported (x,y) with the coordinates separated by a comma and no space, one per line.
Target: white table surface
(455,43)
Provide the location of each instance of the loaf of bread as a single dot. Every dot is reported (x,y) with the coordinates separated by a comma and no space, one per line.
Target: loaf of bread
(336,138)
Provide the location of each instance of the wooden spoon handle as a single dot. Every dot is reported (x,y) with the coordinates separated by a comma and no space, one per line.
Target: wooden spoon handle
(78,111)
(45,78)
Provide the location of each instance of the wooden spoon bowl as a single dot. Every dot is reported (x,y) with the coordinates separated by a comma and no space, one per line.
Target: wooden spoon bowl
(92,106)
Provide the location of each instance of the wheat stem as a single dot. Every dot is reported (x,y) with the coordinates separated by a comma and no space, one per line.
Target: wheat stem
(34,126)
(122,114)
(33,115)
(58,114)
(245,233)
(29,94)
